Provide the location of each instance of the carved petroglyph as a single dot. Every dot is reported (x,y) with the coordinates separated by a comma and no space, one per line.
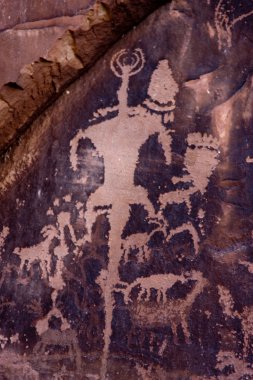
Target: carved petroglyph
(249,160)
(39,252)
(200,161)
(225,21)
(246,318)
(3,235)
(162,91)
(174,312)
(42,253)
(66,339)
(139,242)
(120,157)
(226,301)
(128,130)
(191,229)
(163,347)
(160,282)
(240,369)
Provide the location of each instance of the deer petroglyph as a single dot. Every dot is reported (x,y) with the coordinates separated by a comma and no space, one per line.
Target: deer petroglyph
(174,312)
(160,282)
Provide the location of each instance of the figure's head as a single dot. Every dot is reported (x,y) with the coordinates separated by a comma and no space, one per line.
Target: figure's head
(124,65)
(127,64)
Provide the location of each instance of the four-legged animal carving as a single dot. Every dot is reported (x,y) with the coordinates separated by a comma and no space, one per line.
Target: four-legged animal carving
(160,282)
(66,339)
(174,312)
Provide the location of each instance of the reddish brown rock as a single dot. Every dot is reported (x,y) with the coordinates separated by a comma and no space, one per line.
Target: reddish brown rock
(42,82)
(28,30)
(126,206)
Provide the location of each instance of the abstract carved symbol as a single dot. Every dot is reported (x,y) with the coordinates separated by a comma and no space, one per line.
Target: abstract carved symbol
(225,22)
(118,140)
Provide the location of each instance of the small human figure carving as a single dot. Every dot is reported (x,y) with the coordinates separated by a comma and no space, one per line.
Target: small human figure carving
(41,253)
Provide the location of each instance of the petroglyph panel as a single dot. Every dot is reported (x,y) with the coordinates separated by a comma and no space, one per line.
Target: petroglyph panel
(126,248)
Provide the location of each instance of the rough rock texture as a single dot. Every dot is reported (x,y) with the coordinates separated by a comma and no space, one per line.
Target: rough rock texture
(127,210)
(28,29)
(40,83)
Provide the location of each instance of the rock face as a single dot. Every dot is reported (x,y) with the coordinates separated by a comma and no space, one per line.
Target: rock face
(127,210)
(29,28)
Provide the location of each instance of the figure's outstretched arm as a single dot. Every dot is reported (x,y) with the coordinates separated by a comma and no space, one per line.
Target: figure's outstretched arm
(165,140)
(102,112)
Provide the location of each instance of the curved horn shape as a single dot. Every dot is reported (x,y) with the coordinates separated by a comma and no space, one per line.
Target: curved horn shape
(123,63)
(116,66)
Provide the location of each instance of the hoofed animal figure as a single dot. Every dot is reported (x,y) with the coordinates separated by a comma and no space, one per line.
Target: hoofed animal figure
(173,312)
(160,282)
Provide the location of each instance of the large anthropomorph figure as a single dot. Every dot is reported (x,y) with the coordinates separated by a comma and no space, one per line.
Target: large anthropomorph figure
(118,141)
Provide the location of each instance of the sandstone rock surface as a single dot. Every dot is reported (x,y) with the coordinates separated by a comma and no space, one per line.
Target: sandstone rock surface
(127,205)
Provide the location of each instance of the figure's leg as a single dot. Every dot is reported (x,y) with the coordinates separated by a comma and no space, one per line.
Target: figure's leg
(140,196)
(185,328)
(117,219)
(90,216)
(96,204)
(174,332)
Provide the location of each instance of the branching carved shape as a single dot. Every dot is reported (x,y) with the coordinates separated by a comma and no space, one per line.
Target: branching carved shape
(225,22)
